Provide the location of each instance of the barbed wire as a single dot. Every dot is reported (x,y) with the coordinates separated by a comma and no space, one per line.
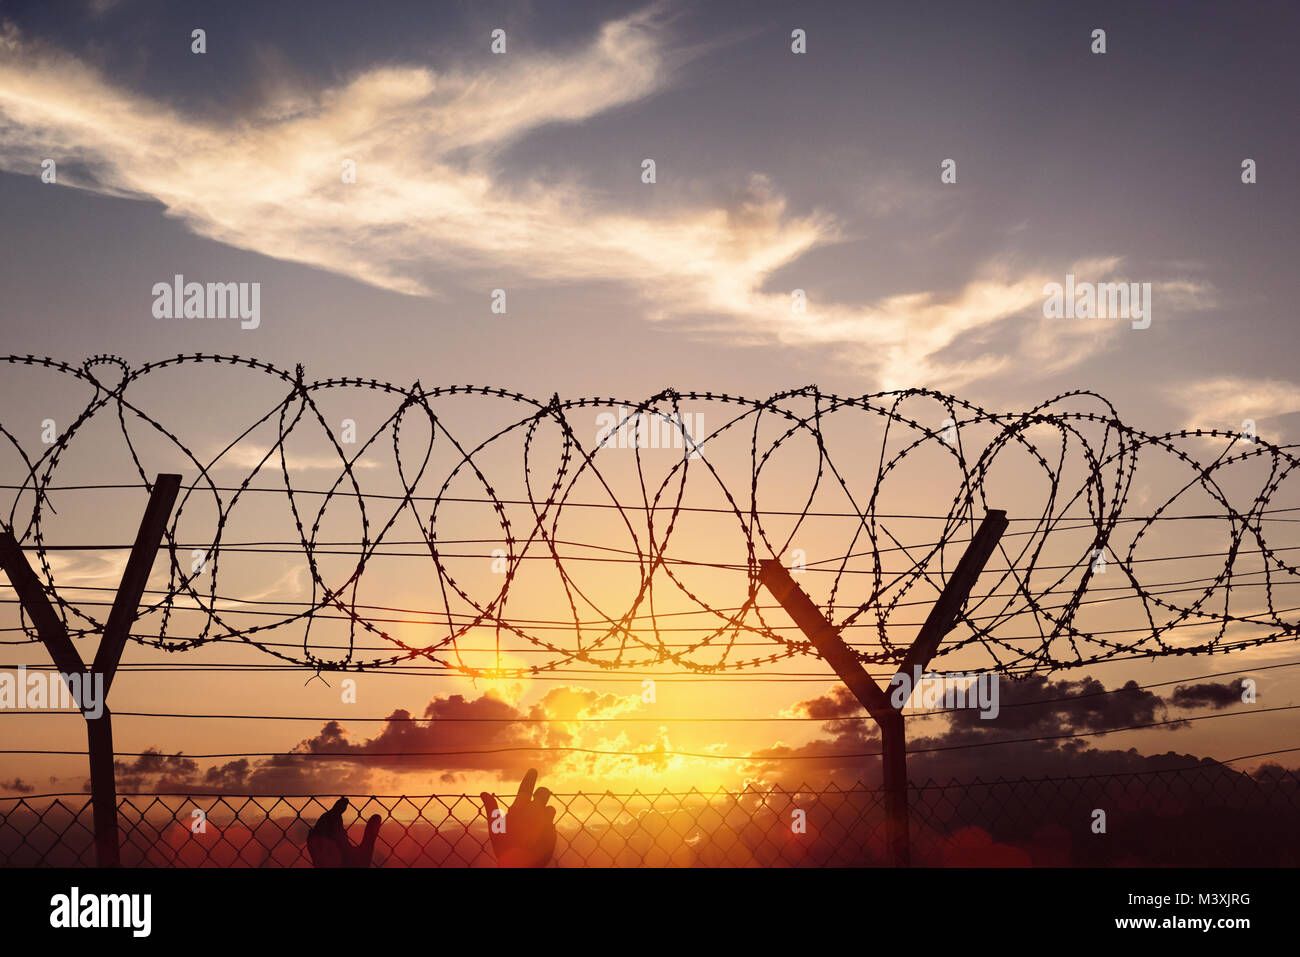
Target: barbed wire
(544,460)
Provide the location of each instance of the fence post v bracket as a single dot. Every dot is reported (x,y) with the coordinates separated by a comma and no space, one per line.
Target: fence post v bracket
(50,629)
(826,638)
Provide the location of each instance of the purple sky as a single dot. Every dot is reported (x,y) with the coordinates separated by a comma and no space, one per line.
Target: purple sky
(774,172)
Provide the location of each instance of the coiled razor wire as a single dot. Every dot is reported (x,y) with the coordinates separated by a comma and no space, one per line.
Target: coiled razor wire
(1087,457)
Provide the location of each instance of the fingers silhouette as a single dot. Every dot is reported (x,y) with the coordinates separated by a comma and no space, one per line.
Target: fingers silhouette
(523,836)
(366,850)
(525,791)
(328,844)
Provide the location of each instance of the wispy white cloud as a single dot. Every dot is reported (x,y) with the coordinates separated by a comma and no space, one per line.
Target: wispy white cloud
(429,195)
(1225,402)
(245,458)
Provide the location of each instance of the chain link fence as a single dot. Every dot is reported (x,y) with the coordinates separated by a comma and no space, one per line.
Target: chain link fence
(1206,816)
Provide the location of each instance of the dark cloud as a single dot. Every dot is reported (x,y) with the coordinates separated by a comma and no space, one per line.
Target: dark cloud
(1034,704)
(18,785)
(454,734)
(1211,694)
(432,742)
(836,703)
(971,747)
(1039,705)
(153,770)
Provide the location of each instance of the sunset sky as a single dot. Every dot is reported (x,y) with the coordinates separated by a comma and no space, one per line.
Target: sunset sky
(523,171)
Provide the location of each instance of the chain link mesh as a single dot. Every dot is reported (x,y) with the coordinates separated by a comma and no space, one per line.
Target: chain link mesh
(1208,816)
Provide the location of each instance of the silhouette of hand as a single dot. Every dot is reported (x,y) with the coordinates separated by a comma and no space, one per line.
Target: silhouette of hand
(525,835)
(328,843)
